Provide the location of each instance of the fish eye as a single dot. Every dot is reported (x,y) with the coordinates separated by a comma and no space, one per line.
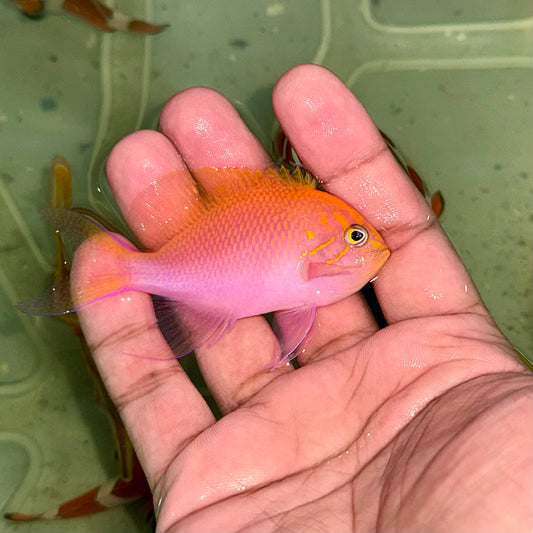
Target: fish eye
(355,235)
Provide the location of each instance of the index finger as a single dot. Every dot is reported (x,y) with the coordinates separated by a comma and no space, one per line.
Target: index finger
(424,276)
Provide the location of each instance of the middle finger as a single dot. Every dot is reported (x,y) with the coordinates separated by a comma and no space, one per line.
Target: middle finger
(208,132)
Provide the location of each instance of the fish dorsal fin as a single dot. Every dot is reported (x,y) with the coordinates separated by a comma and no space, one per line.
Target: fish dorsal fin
(174,200)
(219,184)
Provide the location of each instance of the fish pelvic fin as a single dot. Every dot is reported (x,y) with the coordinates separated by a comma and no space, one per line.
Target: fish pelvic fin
(104,275)
(187,328)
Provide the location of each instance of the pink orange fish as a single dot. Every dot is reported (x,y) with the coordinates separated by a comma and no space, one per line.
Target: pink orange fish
(258,242)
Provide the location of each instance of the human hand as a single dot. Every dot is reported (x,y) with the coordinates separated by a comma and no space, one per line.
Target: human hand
(422,425)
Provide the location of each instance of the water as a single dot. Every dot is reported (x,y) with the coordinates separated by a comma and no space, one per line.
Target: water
(449,82)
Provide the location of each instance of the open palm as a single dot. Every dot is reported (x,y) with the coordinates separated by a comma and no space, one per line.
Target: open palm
(407,427)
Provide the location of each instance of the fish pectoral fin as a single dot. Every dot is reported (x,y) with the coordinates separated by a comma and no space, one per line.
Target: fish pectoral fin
(187,328)
(291,327)
(311,270)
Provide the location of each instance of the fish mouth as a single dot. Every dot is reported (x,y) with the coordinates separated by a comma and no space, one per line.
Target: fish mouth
(376,259)
(384,254)
(380,257)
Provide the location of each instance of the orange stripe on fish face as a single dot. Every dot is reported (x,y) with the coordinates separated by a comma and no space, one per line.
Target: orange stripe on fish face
(344,223)
(321,246)
(311,235)
(341,219)
(325,220)
(341,253)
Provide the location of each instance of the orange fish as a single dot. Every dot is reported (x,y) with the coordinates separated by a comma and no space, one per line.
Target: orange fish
(92,11)
(260,242)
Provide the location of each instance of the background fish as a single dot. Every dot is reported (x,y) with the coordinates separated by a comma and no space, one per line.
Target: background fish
(256,242)
(92,11)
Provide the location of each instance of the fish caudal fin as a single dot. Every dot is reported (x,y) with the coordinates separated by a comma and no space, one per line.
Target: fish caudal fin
(106,274)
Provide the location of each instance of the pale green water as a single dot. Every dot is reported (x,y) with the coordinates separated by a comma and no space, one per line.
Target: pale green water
(450,83)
